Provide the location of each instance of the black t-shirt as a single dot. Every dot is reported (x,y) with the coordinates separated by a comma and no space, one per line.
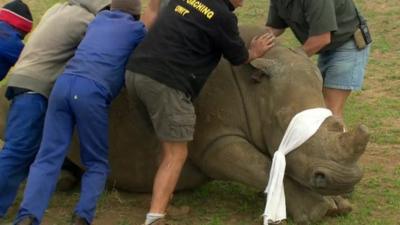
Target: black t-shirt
(186,43)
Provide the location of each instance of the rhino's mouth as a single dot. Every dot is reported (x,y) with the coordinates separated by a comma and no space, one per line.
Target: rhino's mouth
(334,179)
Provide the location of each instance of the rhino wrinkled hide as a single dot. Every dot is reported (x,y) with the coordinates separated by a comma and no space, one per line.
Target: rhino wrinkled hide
(240,124)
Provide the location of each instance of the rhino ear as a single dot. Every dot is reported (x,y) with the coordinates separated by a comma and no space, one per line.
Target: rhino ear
(262,66)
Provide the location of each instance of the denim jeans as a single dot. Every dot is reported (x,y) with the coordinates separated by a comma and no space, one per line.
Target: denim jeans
(344,67)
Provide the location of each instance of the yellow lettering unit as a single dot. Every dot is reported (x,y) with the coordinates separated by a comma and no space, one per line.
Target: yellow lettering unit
(207,12)
(181,10)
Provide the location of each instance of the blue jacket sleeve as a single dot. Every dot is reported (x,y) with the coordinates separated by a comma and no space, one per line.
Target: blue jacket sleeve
(4,68)
(8,57)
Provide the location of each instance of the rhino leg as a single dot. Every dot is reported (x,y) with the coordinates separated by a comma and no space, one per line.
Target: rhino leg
(233,158)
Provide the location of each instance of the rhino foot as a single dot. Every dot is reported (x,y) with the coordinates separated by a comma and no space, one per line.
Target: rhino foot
(66,181)
(304,206)
(339,206)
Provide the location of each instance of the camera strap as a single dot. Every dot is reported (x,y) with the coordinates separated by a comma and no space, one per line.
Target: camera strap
(359,17)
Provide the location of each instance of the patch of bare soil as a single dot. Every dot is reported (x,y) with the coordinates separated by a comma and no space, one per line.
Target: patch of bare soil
(388,157)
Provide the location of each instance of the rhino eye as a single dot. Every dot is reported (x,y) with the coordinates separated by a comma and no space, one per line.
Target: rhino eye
(320,180)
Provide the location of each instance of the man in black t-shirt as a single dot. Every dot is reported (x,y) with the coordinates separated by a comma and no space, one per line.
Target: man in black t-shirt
(168,70)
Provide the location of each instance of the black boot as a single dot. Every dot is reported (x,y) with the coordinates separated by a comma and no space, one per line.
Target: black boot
(26,221)
(77,220)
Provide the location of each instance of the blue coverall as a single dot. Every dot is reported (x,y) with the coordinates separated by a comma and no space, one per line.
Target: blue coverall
(11,46)
(22,140)
(81,98)
(23,132)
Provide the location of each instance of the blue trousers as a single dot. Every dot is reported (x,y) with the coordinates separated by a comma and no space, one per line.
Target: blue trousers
(74,101)
(22,140)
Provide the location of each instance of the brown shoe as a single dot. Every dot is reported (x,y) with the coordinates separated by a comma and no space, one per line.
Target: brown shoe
(26,221)
(77,220)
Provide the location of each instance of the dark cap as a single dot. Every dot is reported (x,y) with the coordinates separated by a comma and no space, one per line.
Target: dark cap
(18,15)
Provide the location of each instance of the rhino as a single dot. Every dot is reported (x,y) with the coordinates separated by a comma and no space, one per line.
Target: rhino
(240,124)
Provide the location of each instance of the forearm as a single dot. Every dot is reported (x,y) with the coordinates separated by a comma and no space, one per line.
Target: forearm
(150,13)
(148,18)
(315,43)
(277,32)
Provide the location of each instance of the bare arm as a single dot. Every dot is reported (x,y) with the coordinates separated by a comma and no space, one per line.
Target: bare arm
(150,13)
(277,32)
(315,43)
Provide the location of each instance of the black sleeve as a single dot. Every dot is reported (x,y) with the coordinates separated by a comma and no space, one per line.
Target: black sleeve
(232,45)
(274,20)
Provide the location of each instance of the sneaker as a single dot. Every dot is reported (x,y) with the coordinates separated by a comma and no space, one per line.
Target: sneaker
(161,221)
(26,221)
(77,220)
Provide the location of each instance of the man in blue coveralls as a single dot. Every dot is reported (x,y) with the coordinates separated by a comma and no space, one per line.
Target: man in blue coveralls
(81,97)
(15,23)
(49,47)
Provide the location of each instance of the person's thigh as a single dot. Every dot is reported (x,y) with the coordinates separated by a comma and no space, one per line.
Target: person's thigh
(91,107)
(171,111)
(24,127)
(344,67)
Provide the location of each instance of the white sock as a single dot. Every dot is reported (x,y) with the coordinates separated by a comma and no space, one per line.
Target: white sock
(152,217)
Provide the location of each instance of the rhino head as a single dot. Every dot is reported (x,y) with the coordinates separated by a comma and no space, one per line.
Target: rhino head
(327,162)
(331,158)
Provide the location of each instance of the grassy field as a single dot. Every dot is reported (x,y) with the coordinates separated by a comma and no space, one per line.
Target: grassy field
(376,199)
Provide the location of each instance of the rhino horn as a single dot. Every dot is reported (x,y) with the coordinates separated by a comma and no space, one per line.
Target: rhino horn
(354,143)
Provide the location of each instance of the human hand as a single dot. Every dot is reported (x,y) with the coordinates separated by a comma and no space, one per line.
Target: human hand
(260,45)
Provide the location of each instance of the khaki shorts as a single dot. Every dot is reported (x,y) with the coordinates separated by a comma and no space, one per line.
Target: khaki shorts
(171,111)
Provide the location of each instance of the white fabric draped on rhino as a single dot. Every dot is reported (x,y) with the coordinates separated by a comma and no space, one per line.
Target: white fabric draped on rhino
(302,126)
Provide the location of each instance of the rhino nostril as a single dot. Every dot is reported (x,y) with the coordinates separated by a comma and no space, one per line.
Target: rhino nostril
(320,180)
